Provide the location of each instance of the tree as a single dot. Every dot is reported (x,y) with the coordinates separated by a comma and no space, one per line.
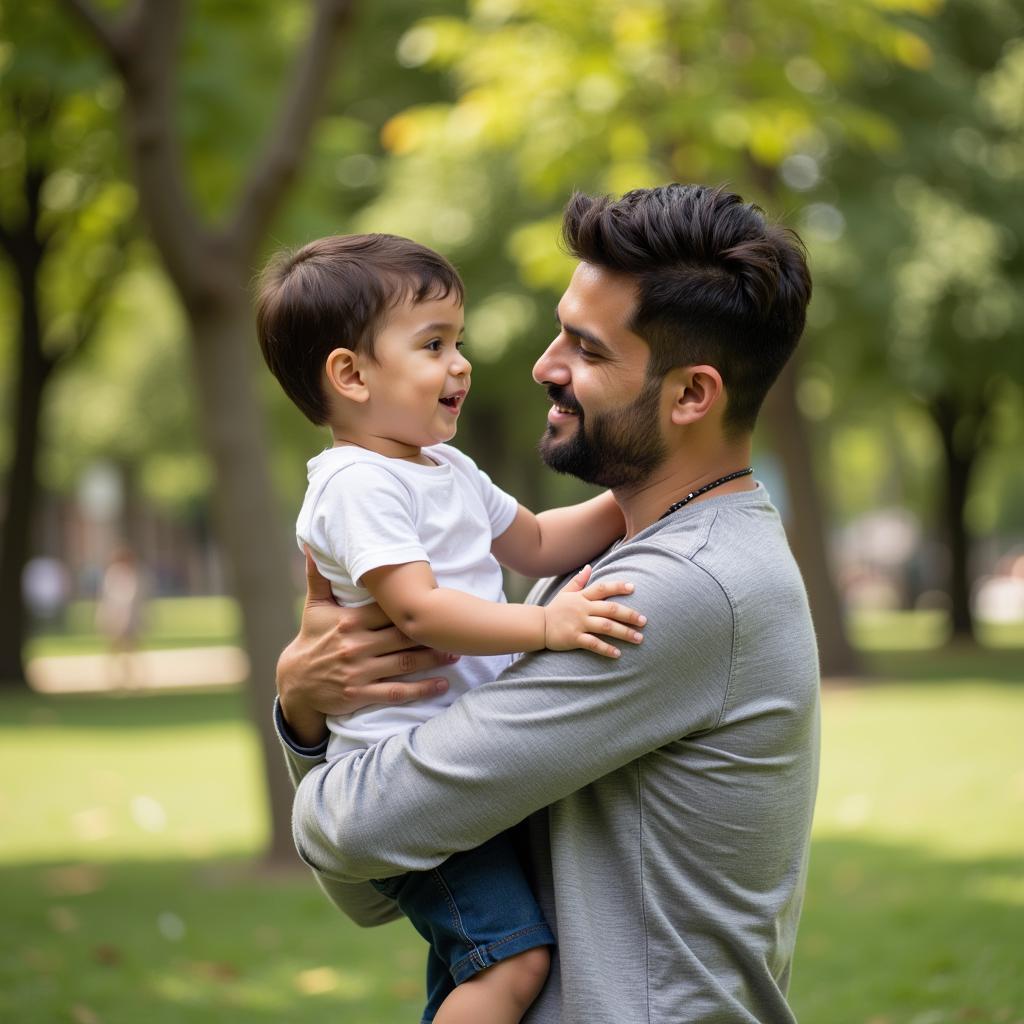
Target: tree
(940,212)
(608,97)
(211,264)
(62,207)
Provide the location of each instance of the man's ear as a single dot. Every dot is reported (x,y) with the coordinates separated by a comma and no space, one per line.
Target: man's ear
(344,375)
(695,391)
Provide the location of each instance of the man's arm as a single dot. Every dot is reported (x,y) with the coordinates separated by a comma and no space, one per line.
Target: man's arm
(548,726)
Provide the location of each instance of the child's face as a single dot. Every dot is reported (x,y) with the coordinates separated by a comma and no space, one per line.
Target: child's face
(420,378)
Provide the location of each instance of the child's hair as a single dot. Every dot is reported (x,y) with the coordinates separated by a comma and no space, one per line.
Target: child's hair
(336,292)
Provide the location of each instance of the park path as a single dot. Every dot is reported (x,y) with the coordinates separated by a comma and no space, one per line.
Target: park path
(141,670)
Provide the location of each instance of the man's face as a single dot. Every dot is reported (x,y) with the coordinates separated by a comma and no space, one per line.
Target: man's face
(603,426)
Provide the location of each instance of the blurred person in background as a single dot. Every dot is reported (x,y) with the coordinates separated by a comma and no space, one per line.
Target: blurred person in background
(119,609)
(46,585)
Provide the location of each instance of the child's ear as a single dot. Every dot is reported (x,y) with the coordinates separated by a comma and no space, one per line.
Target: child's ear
(344,376)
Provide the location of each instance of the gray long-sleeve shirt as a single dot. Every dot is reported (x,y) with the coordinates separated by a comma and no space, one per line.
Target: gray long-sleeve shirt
(670,792)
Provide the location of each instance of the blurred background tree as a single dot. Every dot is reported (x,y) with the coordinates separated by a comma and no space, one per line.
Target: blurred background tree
(927,268)
(211,178)
(65,221)
(210,259)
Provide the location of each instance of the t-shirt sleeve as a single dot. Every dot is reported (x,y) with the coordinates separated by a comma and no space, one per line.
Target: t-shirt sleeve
(501,507)
(364,518)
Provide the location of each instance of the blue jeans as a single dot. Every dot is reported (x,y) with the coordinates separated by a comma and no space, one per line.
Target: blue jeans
(474,909)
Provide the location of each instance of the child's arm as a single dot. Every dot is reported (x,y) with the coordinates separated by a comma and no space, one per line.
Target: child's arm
(560,540)
(450,620)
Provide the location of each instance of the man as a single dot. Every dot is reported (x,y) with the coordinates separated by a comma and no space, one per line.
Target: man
(670,792)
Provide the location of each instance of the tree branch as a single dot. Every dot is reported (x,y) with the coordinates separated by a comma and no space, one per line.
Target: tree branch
(7,240)
(101,29)
(287,142)
(93,305)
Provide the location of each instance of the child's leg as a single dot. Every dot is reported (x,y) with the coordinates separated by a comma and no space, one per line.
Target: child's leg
(500,994)
(485,930)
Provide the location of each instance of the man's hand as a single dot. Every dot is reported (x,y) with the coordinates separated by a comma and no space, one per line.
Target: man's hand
(344,659)
(579,614)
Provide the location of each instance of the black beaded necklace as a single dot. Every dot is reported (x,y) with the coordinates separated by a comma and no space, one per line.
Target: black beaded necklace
(704,490)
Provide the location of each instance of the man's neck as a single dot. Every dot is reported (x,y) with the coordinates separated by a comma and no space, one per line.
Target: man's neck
(680,475)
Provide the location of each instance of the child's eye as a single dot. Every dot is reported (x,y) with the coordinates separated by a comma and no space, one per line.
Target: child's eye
(434,345)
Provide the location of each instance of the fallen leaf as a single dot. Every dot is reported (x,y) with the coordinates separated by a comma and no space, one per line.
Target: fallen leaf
(316,981)
(63,919)
(74,880)
(215,970)
(106,954)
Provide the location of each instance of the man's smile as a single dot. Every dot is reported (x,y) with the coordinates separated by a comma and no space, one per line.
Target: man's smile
(562,407)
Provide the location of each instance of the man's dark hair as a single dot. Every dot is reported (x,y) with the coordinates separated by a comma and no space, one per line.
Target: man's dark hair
(717,283)
(336,292)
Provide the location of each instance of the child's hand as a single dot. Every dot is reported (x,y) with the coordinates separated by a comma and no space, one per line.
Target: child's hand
(578,612)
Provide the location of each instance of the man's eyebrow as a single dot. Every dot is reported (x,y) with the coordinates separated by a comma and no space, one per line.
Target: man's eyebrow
(579,332)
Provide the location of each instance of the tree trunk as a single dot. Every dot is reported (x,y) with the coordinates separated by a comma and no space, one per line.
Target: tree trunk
(248,524)
(806,525)
(22,485)
(959,459)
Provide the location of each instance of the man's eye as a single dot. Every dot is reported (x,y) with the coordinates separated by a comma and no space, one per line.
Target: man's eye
(586,353)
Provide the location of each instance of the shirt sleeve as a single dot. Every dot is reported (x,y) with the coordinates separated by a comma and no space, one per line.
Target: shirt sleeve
(501,506)
(365,518)
(360,902)
(548,726)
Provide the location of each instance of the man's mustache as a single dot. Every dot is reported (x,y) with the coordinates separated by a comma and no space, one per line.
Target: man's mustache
(561,396)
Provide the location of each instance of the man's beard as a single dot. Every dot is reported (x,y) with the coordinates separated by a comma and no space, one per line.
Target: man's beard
(620,448)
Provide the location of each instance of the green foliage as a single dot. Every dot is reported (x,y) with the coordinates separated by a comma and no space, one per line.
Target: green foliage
(552,96)
(919,253)
(130,398)
(56,119)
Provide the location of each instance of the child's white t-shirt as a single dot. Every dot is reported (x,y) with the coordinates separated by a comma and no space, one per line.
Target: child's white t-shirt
(363,510)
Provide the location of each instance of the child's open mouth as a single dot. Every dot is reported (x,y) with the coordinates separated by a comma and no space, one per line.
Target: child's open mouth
(453,401)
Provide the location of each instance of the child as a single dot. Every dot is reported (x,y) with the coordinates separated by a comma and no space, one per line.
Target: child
(364,334)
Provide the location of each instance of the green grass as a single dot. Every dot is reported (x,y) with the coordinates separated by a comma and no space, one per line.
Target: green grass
(128,827)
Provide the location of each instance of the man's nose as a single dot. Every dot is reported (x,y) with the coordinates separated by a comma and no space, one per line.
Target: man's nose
(550,368)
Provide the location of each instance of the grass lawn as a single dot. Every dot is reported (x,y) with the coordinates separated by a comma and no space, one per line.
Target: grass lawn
(128,827)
